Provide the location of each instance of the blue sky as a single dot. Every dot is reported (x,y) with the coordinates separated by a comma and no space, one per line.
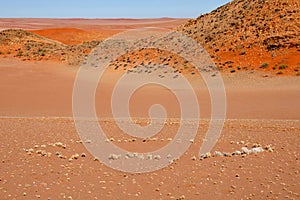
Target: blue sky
(107,8)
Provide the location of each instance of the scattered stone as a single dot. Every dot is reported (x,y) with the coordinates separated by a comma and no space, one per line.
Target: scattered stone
(44,153)
(59,144)
(39,152)
(83,155)
(218,153)
(226,154)
(269,148)
(156,157)
(30,150)
(75,156)
(256,145)
(61,156)
(246,150)
(149,157)
(114,157)
(132,140)
(204,156)
(135,154)
(194,158)
(257,150)
(237,153)
(129,155)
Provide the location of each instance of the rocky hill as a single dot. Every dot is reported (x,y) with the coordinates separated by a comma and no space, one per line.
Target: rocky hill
(251,34)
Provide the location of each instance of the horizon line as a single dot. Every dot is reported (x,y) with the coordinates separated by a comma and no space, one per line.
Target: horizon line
(113,18)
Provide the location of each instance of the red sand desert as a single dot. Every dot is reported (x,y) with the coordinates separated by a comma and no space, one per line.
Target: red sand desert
(42,155)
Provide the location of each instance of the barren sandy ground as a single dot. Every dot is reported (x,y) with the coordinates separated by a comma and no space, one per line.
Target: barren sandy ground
(45,89)
(263,176)
(36,111)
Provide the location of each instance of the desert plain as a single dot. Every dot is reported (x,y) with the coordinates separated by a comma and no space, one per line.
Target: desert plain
(43,157)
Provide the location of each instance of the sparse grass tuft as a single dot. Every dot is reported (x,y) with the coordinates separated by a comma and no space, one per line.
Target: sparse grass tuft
(243,52)
(20,53)
(264,66)
(279,72)
(281,67)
